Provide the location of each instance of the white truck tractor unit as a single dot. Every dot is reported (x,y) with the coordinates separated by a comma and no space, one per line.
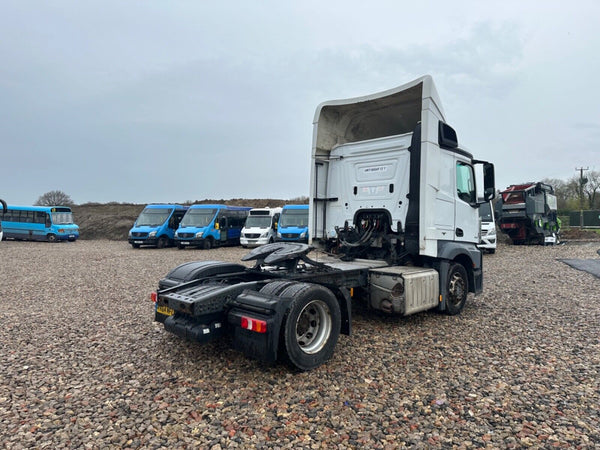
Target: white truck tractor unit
(393,221)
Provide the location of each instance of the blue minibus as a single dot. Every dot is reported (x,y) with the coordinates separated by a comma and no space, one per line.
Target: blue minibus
(293,224)
(208,226)
(4,207)
(156,225)
(39,223)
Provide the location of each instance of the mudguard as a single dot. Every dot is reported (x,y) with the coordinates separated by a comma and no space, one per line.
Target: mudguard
(194,270)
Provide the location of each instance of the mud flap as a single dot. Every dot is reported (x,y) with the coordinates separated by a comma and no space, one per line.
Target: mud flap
(257,306)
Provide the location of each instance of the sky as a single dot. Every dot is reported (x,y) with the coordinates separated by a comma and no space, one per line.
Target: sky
(174,101)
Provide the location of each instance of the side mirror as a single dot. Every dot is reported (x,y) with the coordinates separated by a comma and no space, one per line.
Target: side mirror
(489,180)
(4,206)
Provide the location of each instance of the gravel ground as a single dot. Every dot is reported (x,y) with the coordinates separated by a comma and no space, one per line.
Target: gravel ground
(84,365)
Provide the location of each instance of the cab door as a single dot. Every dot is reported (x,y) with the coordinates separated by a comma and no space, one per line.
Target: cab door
(466,217)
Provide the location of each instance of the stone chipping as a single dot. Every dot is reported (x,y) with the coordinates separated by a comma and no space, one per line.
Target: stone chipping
(83,365)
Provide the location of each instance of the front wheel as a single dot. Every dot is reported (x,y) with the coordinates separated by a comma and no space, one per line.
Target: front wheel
(311,327)
(51,237)
(457,288)
(207,244)
(162,242)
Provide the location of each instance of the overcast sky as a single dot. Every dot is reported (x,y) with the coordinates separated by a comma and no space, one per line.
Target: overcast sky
(169,101)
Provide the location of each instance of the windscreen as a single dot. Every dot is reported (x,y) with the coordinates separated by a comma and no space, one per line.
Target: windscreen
(485,212)
(153,217)
(62,218)
(198,218)
(294,218)
(258,222)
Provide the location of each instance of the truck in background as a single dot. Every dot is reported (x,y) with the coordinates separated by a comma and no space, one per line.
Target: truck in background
(260,227)
(293,224)
(394,225)
(208,226)
(487,239)
(527,213)
(156,225)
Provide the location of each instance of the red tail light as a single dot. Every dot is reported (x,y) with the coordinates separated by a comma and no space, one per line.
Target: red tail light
(259,326)
(154,297)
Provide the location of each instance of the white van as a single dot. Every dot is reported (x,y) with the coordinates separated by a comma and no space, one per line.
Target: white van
(260,227)
(487,240)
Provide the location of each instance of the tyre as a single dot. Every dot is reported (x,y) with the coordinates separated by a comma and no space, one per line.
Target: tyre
(276,287)
(180,246)
(135,245)
(162,242)
(311,327)
(492,251)
(51,238)
(457,289)
(207,244)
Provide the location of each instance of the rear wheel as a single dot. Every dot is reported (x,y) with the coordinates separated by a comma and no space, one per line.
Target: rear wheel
(457,288)
(312,325)
(51,237)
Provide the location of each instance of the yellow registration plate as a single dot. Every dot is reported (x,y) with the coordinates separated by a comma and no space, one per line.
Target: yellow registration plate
(165,310)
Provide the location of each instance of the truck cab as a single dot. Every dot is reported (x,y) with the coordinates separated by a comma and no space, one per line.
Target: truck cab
(156,225)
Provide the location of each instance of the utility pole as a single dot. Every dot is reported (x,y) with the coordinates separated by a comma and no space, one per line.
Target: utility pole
(582,182)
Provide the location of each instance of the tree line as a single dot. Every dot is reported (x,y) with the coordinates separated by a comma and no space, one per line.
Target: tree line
(577,193)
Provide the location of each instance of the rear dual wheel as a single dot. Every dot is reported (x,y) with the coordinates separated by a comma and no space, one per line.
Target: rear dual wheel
(311,327)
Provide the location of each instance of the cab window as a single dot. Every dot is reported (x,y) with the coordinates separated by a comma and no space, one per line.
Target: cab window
(465,182)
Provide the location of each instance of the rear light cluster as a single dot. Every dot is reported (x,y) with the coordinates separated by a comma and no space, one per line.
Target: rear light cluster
(259,326)
(154,297)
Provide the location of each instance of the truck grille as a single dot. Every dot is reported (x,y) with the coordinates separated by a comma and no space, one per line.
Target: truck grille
(185,235)
(252,235)
(139,234)
(290,235)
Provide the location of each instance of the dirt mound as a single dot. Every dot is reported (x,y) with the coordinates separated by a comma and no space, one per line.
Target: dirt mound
(105,221)
(577,234)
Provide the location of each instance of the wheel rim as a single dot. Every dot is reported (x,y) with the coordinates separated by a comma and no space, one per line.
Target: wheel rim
(456,288)
(313,327)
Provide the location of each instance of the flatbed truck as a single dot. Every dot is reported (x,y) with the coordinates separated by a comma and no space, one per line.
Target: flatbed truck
(393,220)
